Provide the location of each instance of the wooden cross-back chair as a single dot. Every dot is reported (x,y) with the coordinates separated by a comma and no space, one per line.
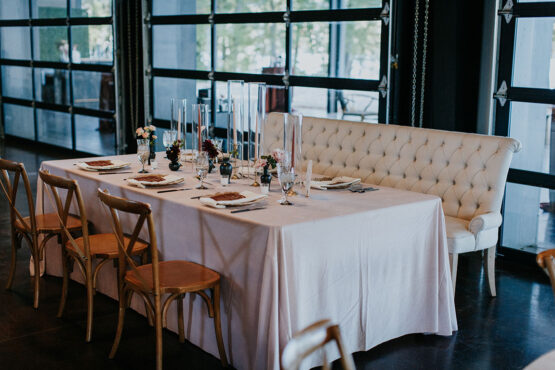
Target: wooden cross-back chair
(84,249)
(175,278)
(310,339)
(546,260)
(30,227)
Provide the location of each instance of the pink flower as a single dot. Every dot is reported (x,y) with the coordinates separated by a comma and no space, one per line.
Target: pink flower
(152,128)
(154,137)
(145,135)
(261,163)
(139,131)
(279,155)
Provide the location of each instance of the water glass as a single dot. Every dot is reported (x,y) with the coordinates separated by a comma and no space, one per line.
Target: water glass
(286,177)
(143,152)
(201,167)
(169,138)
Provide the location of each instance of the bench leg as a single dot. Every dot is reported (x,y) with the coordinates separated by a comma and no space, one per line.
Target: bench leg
(490,270)
(453,262)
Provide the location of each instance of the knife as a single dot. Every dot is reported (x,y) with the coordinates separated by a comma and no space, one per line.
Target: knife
(113,173)
(247,209)
(170,190)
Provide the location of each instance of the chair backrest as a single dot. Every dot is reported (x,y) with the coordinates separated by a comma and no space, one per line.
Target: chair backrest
(71,187)
(144,213)
(467,171)
(310,339)
(9,189)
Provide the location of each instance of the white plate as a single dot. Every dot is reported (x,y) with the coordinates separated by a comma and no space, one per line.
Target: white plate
(116,164)
(335,183)
(170,179)
(249,198)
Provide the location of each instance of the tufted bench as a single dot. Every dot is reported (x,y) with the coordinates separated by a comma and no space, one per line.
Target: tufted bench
(467,171)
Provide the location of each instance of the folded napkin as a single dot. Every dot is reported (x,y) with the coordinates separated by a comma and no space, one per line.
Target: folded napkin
(336,182)
(249,197)
(169,180)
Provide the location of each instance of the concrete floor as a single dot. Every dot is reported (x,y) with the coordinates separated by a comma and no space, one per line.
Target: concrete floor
(506,332)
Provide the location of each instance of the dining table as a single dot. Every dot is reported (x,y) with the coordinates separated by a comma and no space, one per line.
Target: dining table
(376,263)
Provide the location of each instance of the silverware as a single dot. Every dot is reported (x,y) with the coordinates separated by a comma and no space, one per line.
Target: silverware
(247,209)
(197,197)
(170,190)
(113,173)
(362,190)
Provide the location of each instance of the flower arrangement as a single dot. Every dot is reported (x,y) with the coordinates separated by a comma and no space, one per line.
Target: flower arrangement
(277,156)
(209,147)
(173,151)
(147,132)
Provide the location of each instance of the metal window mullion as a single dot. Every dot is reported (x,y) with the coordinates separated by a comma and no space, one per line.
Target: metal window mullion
(384,69)
(213,56)
(70,53)
(149,108)
(116,68)
(31,35)
(288,67)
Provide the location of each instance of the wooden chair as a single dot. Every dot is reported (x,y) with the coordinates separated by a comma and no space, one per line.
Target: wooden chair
(310,339)
(84,249)
(546,260)
(175,278)
(31,227)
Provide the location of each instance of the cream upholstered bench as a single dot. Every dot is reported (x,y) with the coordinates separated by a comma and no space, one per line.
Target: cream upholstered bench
(467,171)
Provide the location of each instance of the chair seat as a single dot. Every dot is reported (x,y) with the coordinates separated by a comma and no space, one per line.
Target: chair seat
(175,276)
(49,223)
(105,245)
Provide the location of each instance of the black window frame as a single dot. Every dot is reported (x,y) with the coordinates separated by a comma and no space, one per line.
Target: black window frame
(288,17)
(35,103)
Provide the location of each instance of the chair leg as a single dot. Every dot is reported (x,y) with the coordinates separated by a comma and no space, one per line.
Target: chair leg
(121,318)
(13,262)
(453,263)
(158,328)
(490,270)
(218,324)
(36,263)
(65,282)
(90,301)
(180,323)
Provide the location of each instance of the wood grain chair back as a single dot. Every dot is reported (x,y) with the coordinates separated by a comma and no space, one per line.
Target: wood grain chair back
(312,338)
(71,187)
(9,189)
(546,260)
(144,213)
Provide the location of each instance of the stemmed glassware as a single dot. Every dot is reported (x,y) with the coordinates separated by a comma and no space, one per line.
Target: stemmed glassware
(286,176)
(201,168)
(143,152)
(168,138)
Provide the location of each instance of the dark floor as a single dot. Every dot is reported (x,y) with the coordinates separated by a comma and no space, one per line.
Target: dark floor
(506,332)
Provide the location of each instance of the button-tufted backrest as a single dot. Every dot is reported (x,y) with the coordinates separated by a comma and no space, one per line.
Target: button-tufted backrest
(467,171)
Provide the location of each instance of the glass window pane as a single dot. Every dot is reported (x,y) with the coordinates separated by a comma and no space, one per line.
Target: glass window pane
(172,7)
(95,135)
(14,9)
(49,8)
(165,88)
(92,44)
(528,218)
(54,128)
(361,55)
(348,4)
(311,4)
(174,46)
(534,55)
(532,125)
(52,85)
(91,8)
(251,48)
(19,121)
(310,48)
(337,104)
(250,6)
(17,82)
(50,44)
(94,90)
(15,42)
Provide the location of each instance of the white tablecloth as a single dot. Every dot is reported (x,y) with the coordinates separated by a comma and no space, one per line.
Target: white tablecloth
(375,263)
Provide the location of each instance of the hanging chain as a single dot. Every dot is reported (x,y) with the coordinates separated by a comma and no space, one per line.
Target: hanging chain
(414,62)
(424,53)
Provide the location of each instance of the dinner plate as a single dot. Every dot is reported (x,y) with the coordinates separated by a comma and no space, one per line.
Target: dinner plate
(169,179)
(116,164)
(249,198)
(341,182)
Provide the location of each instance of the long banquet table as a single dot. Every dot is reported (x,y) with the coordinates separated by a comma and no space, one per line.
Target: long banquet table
(375,263)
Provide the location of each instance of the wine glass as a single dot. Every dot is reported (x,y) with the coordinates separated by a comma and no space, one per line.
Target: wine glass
(143,152)
(201,168)
(286,177)
(169,138)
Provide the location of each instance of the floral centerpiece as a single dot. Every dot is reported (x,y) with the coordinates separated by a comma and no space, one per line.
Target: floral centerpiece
(173,155)
(209,147)
(148,133)
(277,156)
